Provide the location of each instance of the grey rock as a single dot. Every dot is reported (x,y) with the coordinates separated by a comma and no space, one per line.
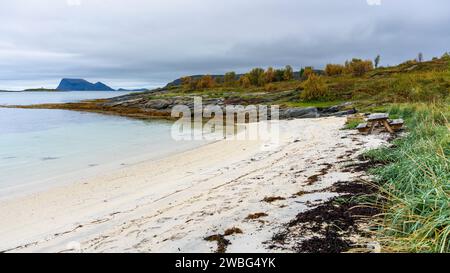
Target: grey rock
(336,108)
(290,113)
(341,113)
(158,104)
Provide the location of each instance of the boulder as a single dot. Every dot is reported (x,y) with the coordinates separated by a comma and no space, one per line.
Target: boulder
(292,113)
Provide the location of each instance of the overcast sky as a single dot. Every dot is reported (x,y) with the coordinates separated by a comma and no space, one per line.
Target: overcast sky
(143,43)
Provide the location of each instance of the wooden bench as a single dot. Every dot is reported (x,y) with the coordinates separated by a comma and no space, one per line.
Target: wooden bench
(397,124)
(363,127)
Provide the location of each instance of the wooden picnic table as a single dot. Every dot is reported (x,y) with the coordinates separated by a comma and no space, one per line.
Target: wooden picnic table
(381,119)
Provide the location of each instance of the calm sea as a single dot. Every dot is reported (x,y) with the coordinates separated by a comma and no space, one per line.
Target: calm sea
(42,148)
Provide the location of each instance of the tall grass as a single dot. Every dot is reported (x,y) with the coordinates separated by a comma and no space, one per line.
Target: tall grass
(415,182)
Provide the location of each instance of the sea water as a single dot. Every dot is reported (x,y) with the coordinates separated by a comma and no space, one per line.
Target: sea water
(42,148)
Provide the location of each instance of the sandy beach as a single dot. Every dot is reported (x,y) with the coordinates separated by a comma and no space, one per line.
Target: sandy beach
(173,204)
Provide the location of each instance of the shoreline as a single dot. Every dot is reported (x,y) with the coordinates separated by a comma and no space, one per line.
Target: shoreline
(173,204)
(94,106)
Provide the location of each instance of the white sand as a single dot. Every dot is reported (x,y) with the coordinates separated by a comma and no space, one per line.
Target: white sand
(172,204)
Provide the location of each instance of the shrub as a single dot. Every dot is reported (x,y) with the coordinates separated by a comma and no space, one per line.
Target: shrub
(307,72)
(314,89)
(279,75)
(244,81)
(358,67)
(269,75)
(256,76)
(229,79)
(334,69)
(288,73)
(186,82)
(270,87)
(206,81)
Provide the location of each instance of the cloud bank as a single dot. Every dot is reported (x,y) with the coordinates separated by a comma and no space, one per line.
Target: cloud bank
(141,43)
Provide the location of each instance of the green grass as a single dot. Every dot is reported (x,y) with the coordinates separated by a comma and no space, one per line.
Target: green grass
(411,82)
(352,124)
(415,183)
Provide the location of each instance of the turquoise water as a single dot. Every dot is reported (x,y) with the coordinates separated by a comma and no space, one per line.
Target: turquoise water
(40,148)
(27,98)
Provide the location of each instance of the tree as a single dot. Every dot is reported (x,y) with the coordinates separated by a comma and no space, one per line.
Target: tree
(302,71)
(358,67)
(229,79)
(377,61)
(314,89)
(256,77)
(205,82)
(186,81)
(288,73)
(308,71)
(244,81)
(218,81)
(269,75)
(334,69)
(420,57)
(279,75)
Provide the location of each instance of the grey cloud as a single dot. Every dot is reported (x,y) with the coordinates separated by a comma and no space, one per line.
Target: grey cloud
(143,43)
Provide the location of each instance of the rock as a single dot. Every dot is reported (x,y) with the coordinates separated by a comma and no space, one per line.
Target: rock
(290,113)
(336,108)
(341,113)
(158,104)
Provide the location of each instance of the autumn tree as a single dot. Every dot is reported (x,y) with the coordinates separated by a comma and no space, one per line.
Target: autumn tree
(256,76)
(186,81)
(358,67)
(308,71)
(205,82)
(288,73)
(244,81)
(269,75)
(334,69)
(229,79)
(314,88)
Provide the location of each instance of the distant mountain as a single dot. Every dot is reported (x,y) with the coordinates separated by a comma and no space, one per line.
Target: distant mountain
(133,90)
(82,85)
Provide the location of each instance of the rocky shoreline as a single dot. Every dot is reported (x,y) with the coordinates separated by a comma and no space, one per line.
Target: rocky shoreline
(144,106)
